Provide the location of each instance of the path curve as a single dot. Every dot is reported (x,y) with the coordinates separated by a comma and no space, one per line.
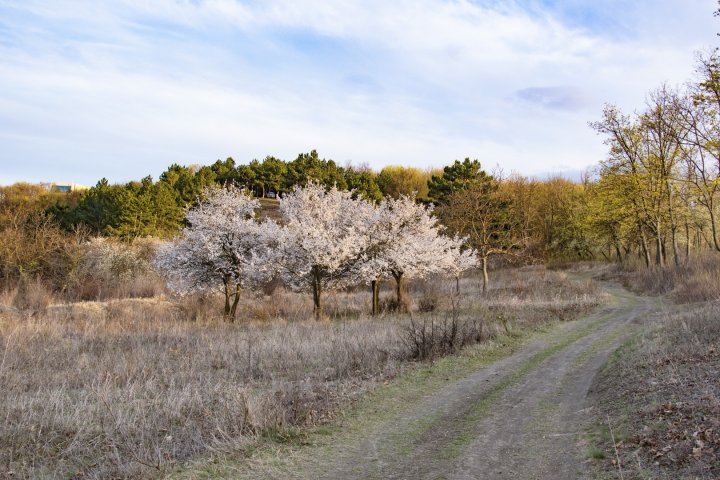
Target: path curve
(522,417)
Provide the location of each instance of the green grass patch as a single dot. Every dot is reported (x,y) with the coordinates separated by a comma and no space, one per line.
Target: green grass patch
(602,344)
(596,453)
(285,436)
(542,417)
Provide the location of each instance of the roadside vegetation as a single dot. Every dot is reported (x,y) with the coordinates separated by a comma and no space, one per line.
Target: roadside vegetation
(660,393)
(134,387)
(658,401)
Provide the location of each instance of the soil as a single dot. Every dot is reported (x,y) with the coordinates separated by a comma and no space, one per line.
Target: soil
(523,417)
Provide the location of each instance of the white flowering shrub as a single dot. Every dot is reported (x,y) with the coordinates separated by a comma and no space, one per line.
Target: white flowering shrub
(107,268)
(109,258)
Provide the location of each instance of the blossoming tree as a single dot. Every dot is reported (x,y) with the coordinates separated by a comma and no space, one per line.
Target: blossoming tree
(461,259)
(404,240)
(324,233)
(223,247)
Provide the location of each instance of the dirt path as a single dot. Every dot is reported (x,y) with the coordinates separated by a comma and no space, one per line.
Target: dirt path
(522,417)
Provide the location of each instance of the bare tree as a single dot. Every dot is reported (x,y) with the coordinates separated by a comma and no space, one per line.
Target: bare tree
(482,214)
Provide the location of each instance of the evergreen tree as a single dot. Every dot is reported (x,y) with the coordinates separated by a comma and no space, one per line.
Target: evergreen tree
(309,167)
(458,176)
(99,208)
(363,183)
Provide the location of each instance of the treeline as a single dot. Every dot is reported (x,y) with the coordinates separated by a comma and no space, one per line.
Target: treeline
(652,201)
(156,208)
(41,231)
(657,192)
(540,215)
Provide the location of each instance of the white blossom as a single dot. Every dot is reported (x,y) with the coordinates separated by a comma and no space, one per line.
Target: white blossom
(461,259)
(324,233)
(222,247)
(405,241)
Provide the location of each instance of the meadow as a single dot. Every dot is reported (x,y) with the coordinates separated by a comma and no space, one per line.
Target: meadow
(128,386)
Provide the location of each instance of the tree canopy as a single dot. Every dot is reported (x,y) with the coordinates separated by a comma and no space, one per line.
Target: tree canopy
(458,176)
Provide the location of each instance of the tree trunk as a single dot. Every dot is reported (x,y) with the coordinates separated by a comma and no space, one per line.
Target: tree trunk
(226,285)
(713,227)
(457,283)
(659,260)
(704,237)
(698,237)
(673,226)
(644,245)
(486,280)
(676,249)
(233,309)
(399,290)
(687,241)
(375,296)
(317,292)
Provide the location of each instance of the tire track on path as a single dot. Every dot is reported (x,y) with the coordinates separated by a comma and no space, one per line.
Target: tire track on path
(521,417)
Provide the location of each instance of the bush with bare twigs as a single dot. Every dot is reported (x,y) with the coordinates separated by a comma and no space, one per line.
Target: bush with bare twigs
(439,335)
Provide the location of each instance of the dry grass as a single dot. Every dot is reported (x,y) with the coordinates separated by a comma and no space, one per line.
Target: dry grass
(530,295)
(134,387)
(663,394)
(110,391)
(663,390)
(693,281)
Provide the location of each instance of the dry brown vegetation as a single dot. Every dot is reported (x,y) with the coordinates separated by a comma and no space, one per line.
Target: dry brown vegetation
(663,398)
(695,280)
(661,392)
(133,387)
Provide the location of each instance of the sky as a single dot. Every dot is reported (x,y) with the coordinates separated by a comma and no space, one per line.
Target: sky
(122,89)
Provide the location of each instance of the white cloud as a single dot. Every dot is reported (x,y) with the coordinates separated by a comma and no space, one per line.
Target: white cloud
(124,89)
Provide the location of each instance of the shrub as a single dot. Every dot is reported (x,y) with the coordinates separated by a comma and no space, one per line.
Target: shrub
(693,281)
(113,269)
(32,295)
(428,294)
(34,247)
(434,336)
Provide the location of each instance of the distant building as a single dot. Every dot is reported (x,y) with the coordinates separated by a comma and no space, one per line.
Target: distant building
(64,187)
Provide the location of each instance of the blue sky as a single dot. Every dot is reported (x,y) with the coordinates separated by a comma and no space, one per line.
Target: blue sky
(122,89)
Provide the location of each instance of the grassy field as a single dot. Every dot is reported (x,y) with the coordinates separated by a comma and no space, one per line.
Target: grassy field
(137,387)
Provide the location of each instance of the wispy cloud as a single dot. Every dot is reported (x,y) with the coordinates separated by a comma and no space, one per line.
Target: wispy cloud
(121,89)
(555,98)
